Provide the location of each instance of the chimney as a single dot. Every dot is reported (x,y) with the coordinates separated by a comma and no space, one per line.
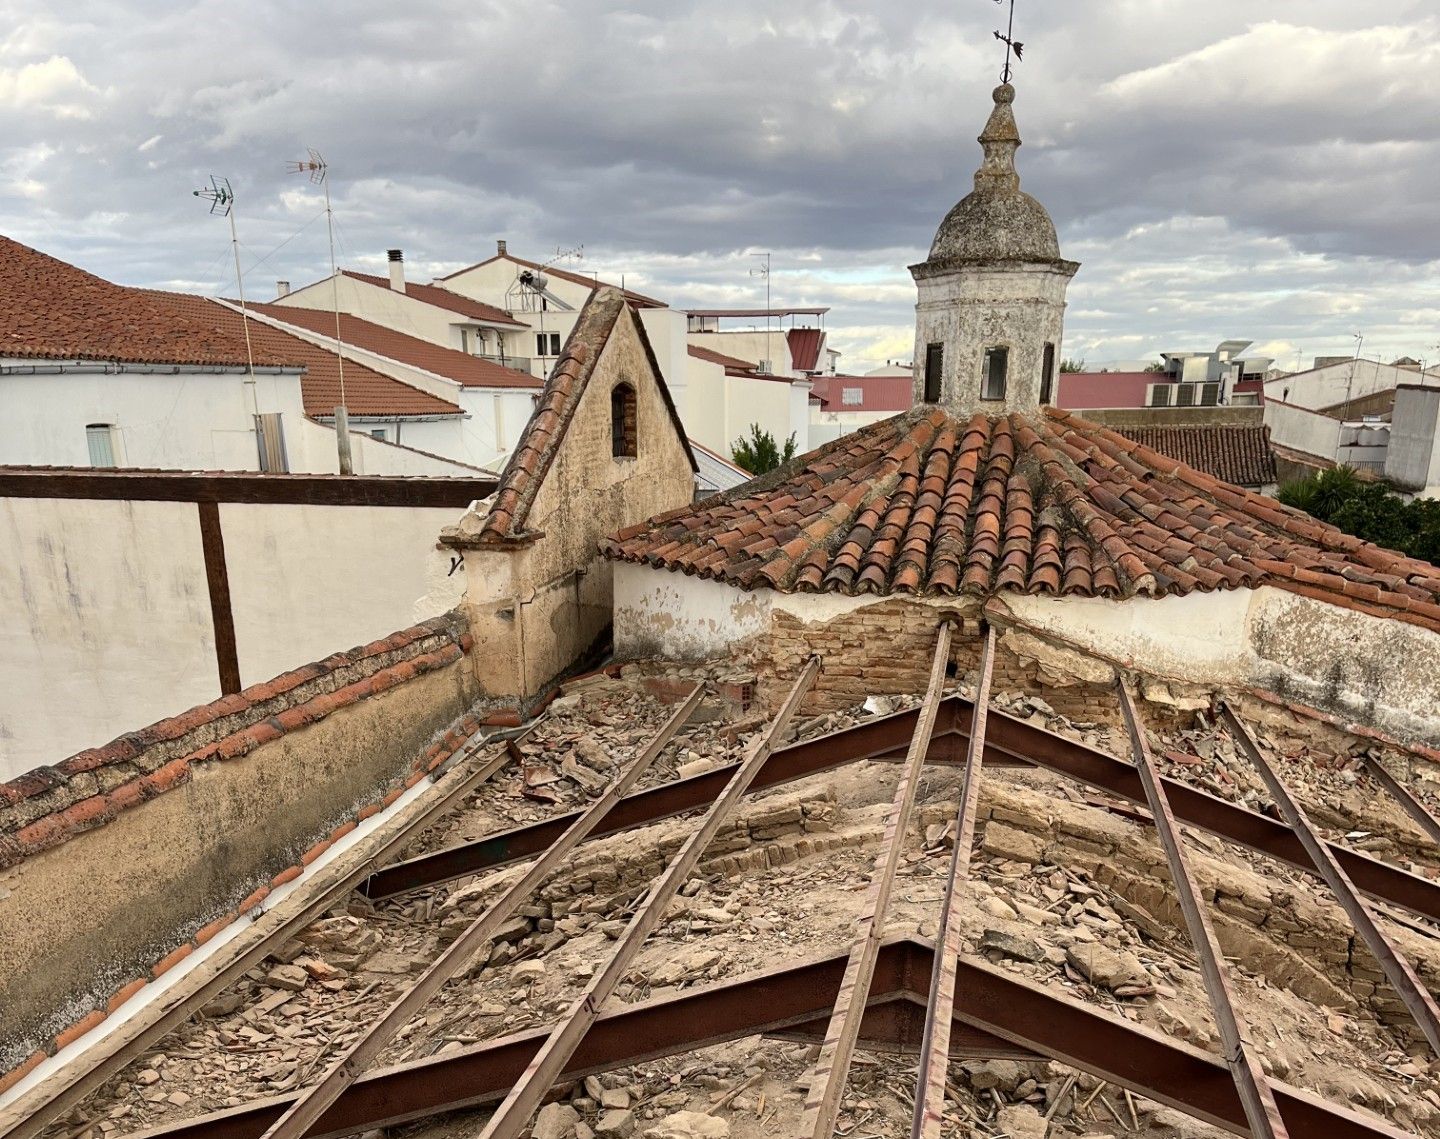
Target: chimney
(500,247)
(282,289)
(397,269)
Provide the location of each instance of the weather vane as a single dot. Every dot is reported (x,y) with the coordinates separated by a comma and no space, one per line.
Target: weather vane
(1010,42)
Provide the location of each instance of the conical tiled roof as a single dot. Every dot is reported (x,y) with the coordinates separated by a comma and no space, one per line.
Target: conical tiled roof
(925,503)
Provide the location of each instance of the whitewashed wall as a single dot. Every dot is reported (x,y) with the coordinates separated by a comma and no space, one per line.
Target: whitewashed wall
(1372,670)
(189,420)
(105,622)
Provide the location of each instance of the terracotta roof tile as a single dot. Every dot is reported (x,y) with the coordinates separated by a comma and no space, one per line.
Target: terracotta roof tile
(367,392)
(1234,453)
(51,310)
(467,370)
(924,503)
(441,297)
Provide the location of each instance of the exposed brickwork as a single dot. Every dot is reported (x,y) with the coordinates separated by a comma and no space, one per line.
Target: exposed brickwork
(50,805)
(885,649)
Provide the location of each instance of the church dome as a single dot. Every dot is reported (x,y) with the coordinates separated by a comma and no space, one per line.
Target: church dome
(997,221)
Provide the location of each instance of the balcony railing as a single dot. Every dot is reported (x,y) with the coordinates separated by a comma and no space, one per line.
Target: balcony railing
(519,363)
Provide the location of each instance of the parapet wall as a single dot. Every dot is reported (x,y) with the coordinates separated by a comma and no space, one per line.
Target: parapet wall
(116,863)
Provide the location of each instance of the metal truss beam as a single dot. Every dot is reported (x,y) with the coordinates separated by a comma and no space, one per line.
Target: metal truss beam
(1023,1014)
(1396,966)
(832,1067)
(1261,1111)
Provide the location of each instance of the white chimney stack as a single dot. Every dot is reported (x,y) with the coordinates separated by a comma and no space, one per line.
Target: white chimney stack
(282,288)
(397,269)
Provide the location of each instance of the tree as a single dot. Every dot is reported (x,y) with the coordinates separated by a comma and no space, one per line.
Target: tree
(759,453)
(1068,365)
(1157,366)
(1370,510)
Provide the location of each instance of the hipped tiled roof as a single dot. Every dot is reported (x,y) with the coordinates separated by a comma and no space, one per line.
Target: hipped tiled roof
(1238,453)
(367,392)
(467,370)
(50,310)
(1049,503)
(544,433)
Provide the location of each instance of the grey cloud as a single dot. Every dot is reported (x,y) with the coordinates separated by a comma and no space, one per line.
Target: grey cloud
(1218,174)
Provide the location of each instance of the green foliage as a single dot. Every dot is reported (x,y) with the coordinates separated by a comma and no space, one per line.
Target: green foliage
(1369,510)
(1069,365)
(1157,366)
(760,453)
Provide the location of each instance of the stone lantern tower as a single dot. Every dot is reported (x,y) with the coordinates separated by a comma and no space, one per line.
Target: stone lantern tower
(992,292)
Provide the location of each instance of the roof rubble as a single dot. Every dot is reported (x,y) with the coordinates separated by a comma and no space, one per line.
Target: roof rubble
(1066,890)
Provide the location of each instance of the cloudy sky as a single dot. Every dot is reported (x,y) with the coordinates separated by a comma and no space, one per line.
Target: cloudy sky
(1221,169)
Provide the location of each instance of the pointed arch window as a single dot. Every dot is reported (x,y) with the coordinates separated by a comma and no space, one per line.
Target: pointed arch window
(623,426)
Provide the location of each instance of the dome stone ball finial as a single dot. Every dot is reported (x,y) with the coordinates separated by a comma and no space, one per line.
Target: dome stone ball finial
(997,221)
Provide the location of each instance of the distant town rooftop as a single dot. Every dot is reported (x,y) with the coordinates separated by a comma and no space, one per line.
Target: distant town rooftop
(752,312)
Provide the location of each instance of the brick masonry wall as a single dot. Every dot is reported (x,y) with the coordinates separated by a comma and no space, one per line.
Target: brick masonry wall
(51,805)
(61,978)
(885,650)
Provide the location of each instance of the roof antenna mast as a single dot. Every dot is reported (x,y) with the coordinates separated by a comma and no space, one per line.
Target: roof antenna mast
(316,167)
(222,203)
(1010,42)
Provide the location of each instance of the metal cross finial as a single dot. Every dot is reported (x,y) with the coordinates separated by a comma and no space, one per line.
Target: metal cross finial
(1011,44)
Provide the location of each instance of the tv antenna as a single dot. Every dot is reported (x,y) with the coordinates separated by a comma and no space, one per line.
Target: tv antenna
(222,204)
(1010,42)
(317,168)
(764,271)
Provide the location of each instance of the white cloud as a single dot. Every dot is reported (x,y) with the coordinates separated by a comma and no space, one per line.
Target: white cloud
(54,85)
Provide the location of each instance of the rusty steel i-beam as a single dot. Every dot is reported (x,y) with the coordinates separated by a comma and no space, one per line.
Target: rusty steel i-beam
(1022,1013)
(303,1113)
(1008,741)
(935,1047)
(1396,965)
(1401,794)
(822,1104)
(515,1111)
(1261,1110)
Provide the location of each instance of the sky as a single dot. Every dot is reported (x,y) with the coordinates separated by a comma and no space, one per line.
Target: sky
(1223,169)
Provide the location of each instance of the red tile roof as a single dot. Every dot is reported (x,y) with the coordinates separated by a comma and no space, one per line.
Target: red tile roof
(529,463)
(924,503)
(466,370)
(805,348)
(733,365)
(367,392)
(639,300)
(1235,453)
(877,393)
(51,310)
(444,298)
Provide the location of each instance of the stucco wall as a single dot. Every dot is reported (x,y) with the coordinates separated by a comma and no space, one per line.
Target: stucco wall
(1370,670)
(1302,430)
(195,421)
(307,579)
(1412,460)
(104,622)
(105,617)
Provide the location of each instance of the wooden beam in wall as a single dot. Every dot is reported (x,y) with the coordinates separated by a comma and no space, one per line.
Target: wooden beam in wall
(217,577)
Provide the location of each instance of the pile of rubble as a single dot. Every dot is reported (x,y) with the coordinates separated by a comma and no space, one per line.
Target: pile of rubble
(1063,892)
